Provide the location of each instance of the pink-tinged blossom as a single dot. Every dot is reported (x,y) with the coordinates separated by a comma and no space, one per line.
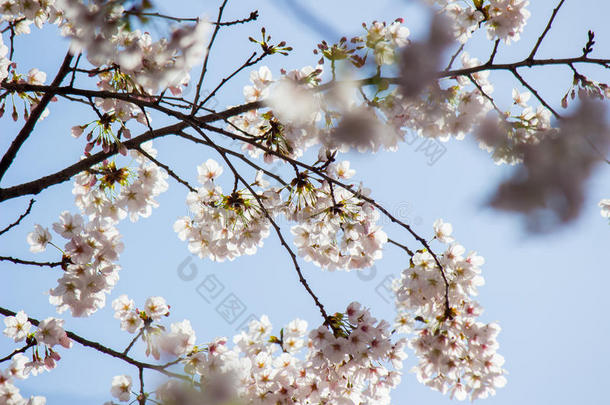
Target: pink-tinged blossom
(51,332)
(38,239)
(156,307)
(17,327)
(121,387)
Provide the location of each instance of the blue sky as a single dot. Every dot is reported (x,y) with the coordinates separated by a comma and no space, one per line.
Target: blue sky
(547,292)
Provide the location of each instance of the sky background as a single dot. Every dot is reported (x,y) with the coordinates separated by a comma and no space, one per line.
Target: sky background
(548,292)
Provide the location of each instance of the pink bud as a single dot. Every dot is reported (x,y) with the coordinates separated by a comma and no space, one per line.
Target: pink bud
(76,131)
(65,342)
(54,355)
(49,363)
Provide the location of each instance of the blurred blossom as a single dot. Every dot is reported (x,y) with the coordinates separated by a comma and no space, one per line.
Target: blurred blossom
(421,60)
(549,186)
(293,103)
(363,130)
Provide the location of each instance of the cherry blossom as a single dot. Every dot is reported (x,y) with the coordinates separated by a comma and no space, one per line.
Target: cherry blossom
(369,93)
(17,327)
(38,239)
(121,387)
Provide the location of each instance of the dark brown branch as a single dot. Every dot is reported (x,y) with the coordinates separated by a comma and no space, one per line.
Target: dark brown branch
(167,169)
(276,227)
(356,193)
(36,186)
(16,351)
(133,341)
(204,68)
(453,57)
(403,247)
(25,214)
(28,262)
(487,96)
(237,155)
(35,114)
(142,397)
(493,52)
(252,17)
(247,63)
(546,30)
(533,90)
(106,350)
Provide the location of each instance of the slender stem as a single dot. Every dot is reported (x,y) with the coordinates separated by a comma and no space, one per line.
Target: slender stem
(106,350)
(28,262)
(16,351)
(403,247)
(35,114)
(283,242)
(546,30)
(25,214)
(533,90)
(204,68)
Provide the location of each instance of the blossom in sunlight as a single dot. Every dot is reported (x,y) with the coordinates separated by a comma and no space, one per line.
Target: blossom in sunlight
(121,387)
(39,239)
(17,327)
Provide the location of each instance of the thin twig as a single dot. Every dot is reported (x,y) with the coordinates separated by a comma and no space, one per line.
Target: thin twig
(106,350)
(237,155)
(283,242)
(406,249)
(453,57)
(16,351)
(546,30)
(25,214)
(133,342)
(29,262)
(493,52)
(487,96)
(35,114)
(204,68)
(167,169)
(530,88)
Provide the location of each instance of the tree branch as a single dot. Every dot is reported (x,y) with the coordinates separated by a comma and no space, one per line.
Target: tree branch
(35,114)
(546,30)
(28,262)
(204,68)
(25,214)
(276,227)
(106,350)
(16,351)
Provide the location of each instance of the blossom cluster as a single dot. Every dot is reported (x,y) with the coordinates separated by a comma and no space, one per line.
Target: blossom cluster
(224,226)
(100,29)
(48,334)
(97,195)
(134,320)
(126,61)
(290,128)
(355,362)
(93,242)
(457,352)
(22,14)
(504,19)
(298,115)
(335,229)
